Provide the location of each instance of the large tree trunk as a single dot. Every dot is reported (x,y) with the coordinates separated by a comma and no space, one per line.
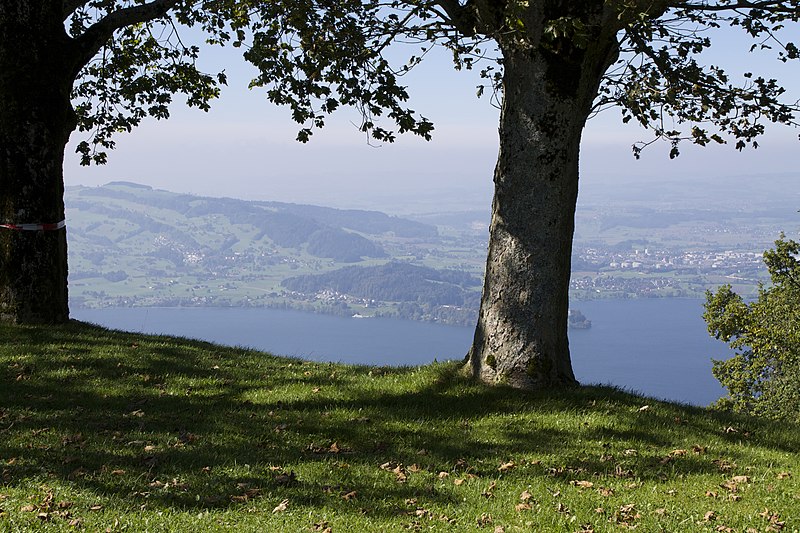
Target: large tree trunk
(36,119)
(521,336)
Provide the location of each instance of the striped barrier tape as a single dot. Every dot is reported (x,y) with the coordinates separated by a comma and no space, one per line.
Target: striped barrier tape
(35,227)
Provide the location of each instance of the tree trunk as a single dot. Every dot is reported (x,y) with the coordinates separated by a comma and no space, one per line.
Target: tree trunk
(36,119)
(521,336)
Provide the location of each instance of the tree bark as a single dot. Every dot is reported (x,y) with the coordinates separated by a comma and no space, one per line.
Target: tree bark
(521,336)
(36,119)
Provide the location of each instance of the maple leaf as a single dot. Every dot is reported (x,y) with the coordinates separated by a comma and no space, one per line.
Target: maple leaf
(525,496)
(281,507)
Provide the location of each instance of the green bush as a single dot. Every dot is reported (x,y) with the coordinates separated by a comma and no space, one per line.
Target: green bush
(763,377)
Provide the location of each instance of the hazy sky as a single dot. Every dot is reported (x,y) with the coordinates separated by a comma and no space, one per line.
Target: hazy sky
(245,147)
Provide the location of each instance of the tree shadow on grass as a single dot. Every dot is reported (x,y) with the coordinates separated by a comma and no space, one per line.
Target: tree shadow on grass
(186,424)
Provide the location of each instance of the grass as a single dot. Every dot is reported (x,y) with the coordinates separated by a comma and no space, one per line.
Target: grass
(111,431)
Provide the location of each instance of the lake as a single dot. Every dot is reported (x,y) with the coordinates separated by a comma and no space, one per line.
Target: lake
(659,347)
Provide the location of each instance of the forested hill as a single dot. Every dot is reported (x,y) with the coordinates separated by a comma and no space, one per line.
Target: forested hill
(122,216)
(131,245)
(395,282)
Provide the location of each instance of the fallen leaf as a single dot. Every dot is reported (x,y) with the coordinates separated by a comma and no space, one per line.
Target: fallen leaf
(349,496)
(443,474)
(525,496)
(522,507)
(784,475)
(28,508)
(661,511)
(286,478)
(400,474)
(741,479)
(281,507)
(605,491)
(710,516)
(505,467)
(699,450)
(334,448)
(711,494)
(724,465)
(458,482)
(499,529)
(644,408)
(117,472)
(96,507)
(582,484)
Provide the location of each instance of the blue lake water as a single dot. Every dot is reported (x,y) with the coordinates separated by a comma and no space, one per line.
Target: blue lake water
(659,347)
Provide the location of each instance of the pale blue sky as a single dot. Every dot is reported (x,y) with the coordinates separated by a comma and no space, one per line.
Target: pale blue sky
(245,148)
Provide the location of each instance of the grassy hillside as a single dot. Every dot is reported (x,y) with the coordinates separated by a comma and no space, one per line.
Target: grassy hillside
(110,431)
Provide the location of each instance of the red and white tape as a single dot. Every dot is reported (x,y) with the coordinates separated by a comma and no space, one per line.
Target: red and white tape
(35,227)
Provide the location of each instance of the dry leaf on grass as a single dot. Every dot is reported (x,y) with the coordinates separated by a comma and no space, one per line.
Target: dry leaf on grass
(281,507)
(505,467)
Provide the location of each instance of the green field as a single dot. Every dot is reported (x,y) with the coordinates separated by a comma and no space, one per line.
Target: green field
(112,431)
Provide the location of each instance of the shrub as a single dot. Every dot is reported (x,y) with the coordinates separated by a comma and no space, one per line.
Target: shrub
(763,377)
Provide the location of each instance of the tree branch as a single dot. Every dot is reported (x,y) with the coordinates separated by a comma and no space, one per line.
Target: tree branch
(459,16)
(96,35)
(771,6)
(70,6)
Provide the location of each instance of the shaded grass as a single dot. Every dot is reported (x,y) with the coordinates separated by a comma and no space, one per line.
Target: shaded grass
(104,430)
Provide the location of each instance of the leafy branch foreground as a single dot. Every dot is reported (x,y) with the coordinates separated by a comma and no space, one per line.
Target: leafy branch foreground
(110,431)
